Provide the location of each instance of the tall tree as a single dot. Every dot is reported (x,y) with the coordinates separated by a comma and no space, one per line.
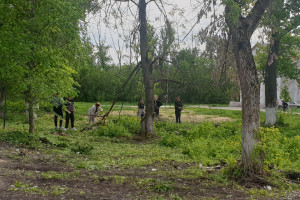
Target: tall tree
(148,123)
(283,17)
(241,25)
(39,45)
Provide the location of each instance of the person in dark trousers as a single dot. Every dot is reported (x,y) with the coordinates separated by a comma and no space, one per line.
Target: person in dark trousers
(57,103)
(178,109)
(70,109)
(157,104)
(141,109)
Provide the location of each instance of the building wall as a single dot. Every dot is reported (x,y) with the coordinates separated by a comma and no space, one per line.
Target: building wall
(292,85)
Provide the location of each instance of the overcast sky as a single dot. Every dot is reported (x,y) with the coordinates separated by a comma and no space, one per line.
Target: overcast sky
(183,18)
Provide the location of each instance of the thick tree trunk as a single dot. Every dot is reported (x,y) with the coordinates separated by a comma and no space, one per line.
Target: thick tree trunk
(270,71)
(147,124)
(241,31)
(250,102)
(271,83)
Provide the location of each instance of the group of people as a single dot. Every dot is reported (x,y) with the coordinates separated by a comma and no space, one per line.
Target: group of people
(59,106)
(157,105)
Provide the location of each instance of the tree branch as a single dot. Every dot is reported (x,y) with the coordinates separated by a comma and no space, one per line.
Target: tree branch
(252,20)
(167,80)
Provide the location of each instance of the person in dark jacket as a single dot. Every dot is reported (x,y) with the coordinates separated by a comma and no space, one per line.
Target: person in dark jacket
(178,109)
(70,109)
(157,104)
(57,103)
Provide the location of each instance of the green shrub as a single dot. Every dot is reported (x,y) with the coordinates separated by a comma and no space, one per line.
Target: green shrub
(269,148)
(19,138)
(112,130)
(46,106)
(82,148)
(120,127)
(15,106)
(172,140)
(132,124)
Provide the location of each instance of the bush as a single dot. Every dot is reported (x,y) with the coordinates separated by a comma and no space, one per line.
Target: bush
(112,130)
(82,148)
(20,138)
(207,143)
(172,140)
(269,148)
(15,106)
(46,106)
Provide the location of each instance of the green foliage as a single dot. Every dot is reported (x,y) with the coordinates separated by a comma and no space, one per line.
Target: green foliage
(198,81)
(163,186)
(19,138)
(285,95)
(15,106)
(269,148)
(288,57)
(205,143)
(82,148)
(24,187)
(120,127)
(54,175)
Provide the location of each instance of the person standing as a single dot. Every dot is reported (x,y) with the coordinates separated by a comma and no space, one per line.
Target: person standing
(178,109)
(94,111)
(157,104)
(57,103)
(70,109)
(141,109)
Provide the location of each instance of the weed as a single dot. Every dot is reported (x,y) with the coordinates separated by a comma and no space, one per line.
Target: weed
(119,179)
(24,187)
(55,175)
(163,186)
(81,148)
(20,139)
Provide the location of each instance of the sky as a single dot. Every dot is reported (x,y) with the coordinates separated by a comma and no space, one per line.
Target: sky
(117,34)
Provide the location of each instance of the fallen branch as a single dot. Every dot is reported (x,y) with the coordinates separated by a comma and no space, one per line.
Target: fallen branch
(119,93)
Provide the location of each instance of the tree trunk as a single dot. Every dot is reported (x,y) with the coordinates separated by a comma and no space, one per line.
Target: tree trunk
(30,110)
(241,30)
(250,102)
(147,124)
(271,83)
(2,95)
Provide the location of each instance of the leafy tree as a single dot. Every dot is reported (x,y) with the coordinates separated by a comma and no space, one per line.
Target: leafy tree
(242,19)
(282,18)
(39,43)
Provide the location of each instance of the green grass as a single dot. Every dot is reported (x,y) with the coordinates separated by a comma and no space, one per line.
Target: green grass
(113,147)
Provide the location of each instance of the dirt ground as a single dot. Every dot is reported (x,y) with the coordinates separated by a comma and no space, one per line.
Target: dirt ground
(27,166)
(186,116)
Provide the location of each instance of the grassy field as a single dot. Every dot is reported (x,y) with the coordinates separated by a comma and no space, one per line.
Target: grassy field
(192,160)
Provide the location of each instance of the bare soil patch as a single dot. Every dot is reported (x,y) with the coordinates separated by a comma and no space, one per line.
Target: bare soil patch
(186,116)
(112,184)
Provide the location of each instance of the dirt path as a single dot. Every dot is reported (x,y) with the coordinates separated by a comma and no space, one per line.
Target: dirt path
(27,174)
